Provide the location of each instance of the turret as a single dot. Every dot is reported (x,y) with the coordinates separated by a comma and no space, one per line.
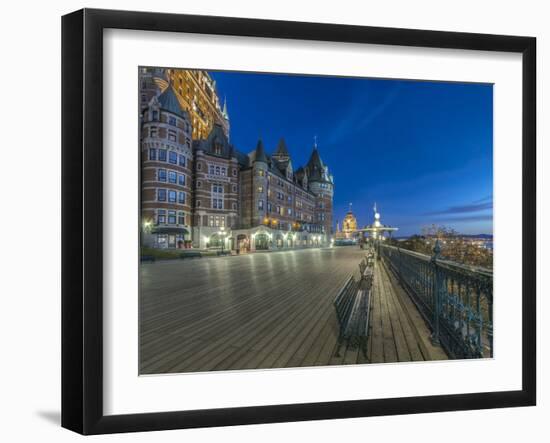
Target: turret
(260,184)
(260,153)
(321,184)
(281,153)
(224,111)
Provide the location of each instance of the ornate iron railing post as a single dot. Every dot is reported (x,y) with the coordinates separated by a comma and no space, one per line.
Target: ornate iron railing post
(490,326)
(436,292)
(456,300)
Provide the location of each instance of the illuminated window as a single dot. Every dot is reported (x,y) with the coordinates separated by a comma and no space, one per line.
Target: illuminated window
(162,175)
(173,157)
(161,216)
(161,195)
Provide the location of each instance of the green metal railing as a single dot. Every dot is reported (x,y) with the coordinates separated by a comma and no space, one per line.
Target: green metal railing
(455,300)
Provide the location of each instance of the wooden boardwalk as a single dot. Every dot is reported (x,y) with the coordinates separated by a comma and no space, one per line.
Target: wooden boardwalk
(397,331)
(263,310)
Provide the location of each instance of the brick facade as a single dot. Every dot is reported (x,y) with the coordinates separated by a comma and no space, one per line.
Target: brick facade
(203,192)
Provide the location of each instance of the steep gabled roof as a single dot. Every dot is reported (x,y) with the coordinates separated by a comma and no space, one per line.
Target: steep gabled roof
(216,138)
(282,150)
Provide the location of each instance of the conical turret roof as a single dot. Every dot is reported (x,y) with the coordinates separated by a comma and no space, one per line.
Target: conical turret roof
(169,102)
(260,152)
(224,111)
(315,166)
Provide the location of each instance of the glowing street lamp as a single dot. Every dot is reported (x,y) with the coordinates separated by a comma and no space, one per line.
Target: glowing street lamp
(377,229)
(147,226)
(222,234)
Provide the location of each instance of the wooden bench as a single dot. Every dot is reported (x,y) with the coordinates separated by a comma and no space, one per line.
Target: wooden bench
(190,254)
(366,270)
(352,310)
(147,258)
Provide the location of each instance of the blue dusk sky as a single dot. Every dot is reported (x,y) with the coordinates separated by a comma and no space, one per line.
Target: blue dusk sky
(423,151)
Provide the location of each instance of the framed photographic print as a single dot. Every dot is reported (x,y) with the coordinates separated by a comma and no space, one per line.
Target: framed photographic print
(270,221)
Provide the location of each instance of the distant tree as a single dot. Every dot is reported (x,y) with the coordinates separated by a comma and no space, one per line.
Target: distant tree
(454,247)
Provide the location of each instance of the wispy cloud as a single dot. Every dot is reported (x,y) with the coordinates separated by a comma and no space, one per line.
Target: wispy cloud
(472,207)
(355,119)
(468,218)
(476,211)
(488,198)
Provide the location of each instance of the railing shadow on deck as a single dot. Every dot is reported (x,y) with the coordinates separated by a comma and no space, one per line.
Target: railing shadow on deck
(455,300)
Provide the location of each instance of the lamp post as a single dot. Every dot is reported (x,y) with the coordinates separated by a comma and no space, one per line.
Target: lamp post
(222,235)
(376,230)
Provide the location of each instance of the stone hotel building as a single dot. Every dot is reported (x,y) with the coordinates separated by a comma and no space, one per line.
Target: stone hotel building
(199,191)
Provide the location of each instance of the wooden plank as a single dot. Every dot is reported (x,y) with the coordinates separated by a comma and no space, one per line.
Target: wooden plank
(268,341)
(209,356)
(376,337)
(418,325)
(388,340)
(213,334)
(407,328)
(307,345)
(315,356)
(401,347)
(229,320)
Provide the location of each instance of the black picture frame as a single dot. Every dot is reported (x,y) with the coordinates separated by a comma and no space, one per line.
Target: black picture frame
(82,215)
